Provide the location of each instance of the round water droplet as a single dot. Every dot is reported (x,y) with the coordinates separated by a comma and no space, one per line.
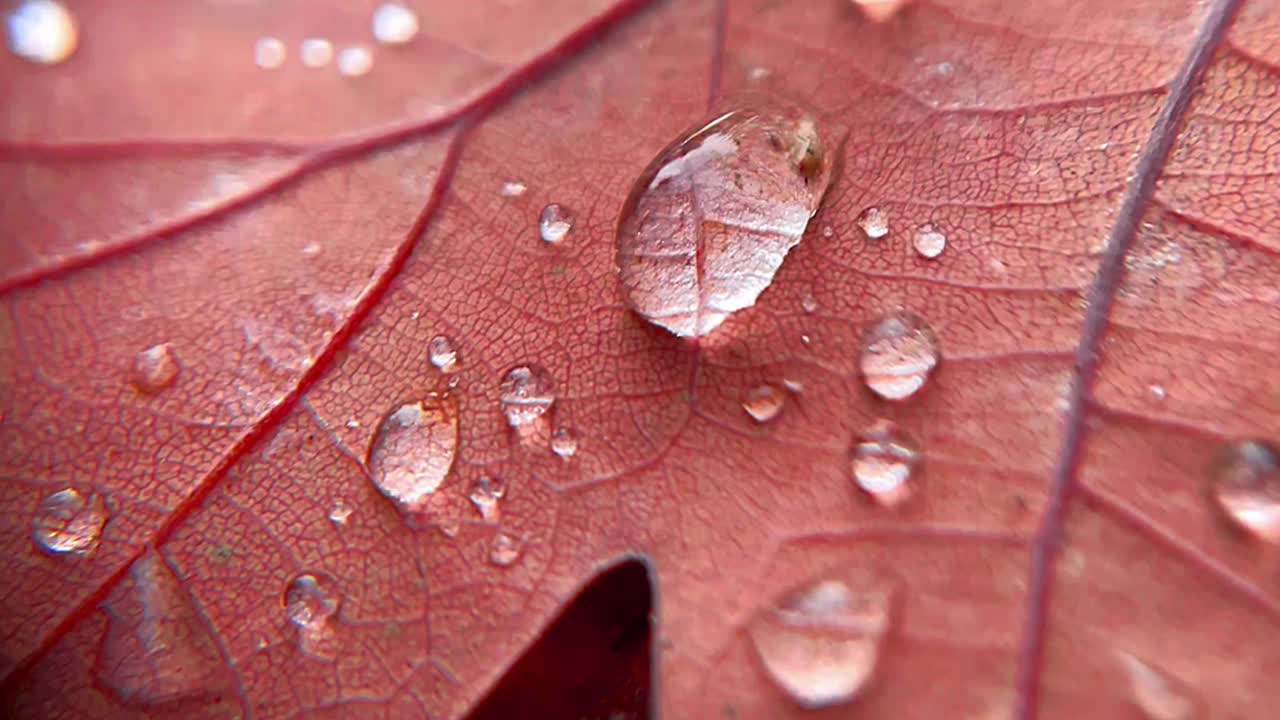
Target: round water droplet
(441,353)
(1246,486)
(505,550)
(554,223)
(527,393)
(310,603)
(564,443)
(394,24)
(42,31)
(821,644)
(874,223)
(883,462)
(486,494)
(355,61)
(340,512)
(763,403)
(929,241)
(1158,695)
(709,222)
(513,188)
(316,52)
(155,369)
(269,53)
(69,523)
(809,303)
(413,450)
(900,352)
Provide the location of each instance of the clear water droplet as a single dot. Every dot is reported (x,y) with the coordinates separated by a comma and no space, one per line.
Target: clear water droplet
(821,644)
(929,241)
(486,494)
(874,223)
(68,523)
(901,351)
(513,188)
(355,61)
(340,512)
(42,31)
(1246,487)
(828,231)
(793,386)
(394,24)
(527,393)
(413,449)
(883,462)
(809,303)
(709,222)
(155,368)
(316,52)
(564,443)
(505,550)
(270,53)
(311,601)
(554,223)
(764,402)
(442,355)
(878,11)
(1158,392)
(1158,695)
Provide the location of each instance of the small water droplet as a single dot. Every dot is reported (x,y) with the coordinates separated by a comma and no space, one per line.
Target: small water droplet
(763,403)
(1246,486)
(155,369)
(757,73)
(828,231)
(879,11)
(874,223)
(900,352)
(564,443)
(486,493)
(311,249)
(505,550)
(42,31)
(809,303)
(1158,695)
(269,53)
(1158,392)
(527,393)
(413,449)
(442,355)
(821,644)
(513,188)
(929,241)
(883,461)
(355,61)
(394,24)
(310,603)
(793,386)
(316,52)
(340,512)
(69,523)
(554,223)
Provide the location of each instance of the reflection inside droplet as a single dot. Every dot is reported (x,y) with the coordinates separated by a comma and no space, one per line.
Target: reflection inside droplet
(67,522)
(900,352)
(1246,486)
(883,462)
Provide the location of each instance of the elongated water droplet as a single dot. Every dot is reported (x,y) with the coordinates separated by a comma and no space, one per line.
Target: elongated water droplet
(42,31)
(442,355)
(155,369)
(311,601)
(764,402)
(340,512)
(316,52)
(355,61)
(1157,695)
(900,352)
(874,223)
(413,449)
(394,24)
(486,494)
(883,462)
(69,523)
(554,223)
(709,222)
(821,644)
(269,53)
(513,188)
(929,241)
(505,550)
(564,443)
(527,393)
(1246,486)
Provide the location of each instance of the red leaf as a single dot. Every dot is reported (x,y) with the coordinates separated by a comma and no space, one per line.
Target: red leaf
(219,279)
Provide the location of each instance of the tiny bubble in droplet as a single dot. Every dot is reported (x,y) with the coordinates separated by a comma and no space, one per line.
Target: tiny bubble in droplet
(929,241)
(554,223)
(355,61)
(394,24)
(42,31)
(316,52)
(874,223)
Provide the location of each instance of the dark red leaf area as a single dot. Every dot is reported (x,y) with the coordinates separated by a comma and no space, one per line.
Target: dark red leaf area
(1106,307)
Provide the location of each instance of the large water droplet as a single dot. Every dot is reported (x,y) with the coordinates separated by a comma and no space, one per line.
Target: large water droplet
(883,461)
(316,52)
(527,393)
(155,369)
(1246,486)
(486,494)
(394,24)
(900,352)
(709,222)
(42,31)
(441,353)
(874,223)
(764,402)
(1157,695)
(821,644)
(310,603)
(413,450)
(69,523)
(564,443)
(355,61)
(554,223)
(929,241)
(270,53)
(505,549)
